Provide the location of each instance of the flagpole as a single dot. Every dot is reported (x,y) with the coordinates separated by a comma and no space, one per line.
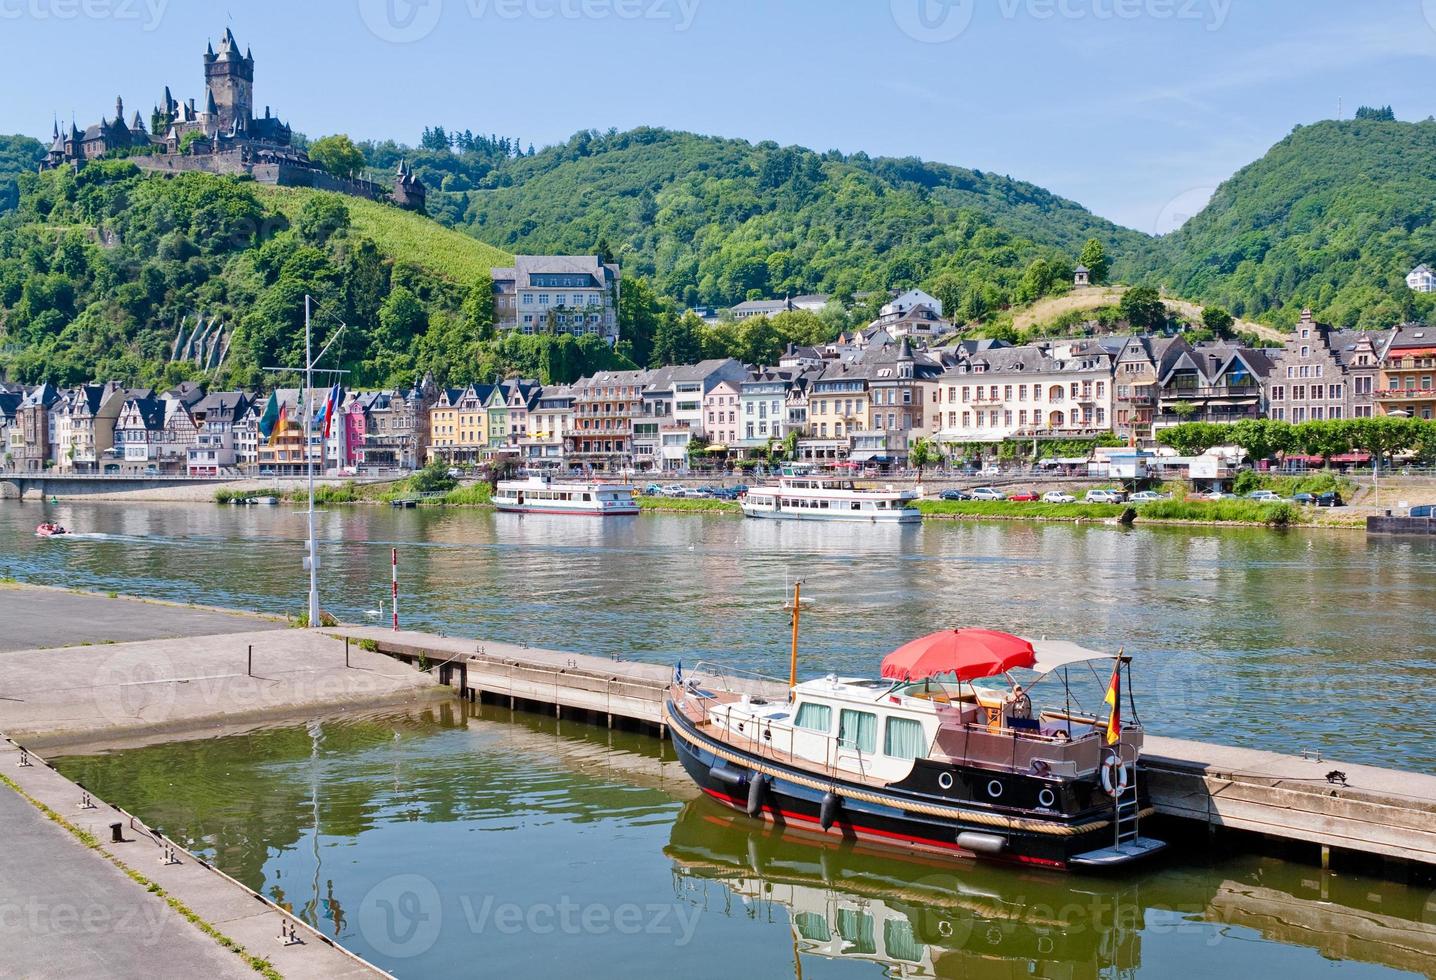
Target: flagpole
(313,561)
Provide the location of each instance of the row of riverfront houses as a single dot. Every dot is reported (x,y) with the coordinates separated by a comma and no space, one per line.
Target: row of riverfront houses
(862,399)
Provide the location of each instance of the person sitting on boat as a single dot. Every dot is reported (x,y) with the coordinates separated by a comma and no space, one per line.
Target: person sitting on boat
(1018,704)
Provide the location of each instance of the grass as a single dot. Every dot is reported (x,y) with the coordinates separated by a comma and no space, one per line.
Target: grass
(402,234)
(260,965)
(1016,509)
(474,495)
(688,505)
(1223,511)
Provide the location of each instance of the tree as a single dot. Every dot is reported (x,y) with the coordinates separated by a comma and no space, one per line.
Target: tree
(1218,321)
(638,317)
(338,155)
(1383,114)
(479,308)
(1195,438)
(433,478)
(1094,257)
(1263,438)
(923,454)
(1325,438)
(1385,435)
(1142,307)
(322,217)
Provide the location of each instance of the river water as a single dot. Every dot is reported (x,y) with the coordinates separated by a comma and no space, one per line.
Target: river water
(467,840)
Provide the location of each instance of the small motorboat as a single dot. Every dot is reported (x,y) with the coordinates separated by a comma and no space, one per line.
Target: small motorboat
(50,530)
(953,766)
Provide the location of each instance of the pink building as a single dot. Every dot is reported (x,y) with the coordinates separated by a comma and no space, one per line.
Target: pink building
(720,414)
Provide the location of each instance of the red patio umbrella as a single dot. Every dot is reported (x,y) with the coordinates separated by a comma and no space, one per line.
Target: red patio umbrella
(967,653)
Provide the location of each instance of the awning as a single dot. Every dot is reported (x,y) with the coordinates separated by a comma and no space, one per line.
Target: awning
(716,449)
(1056,654)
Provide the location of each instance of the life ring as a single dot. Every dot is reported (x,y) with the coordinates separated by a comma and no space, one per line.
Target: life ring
(1114,775)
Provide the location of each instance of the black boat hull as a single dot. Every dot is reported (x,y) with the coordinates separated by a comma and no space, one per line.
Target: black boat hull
(767,789)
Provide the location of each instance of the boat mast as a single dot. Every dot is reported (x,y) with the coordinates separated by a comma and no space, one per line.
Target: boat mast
(793,658)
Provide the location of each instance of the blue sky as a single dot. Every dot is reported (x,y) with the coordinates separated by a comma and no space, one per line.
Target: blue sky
(1135,108)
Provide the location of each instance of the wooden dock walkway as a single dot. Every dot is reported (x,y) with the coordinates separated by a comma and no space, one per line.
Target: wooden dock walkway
(1378,812)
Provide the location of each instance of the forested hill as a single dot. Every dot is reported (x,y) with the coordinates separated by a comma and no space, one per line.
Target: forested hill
(18,155)
(713,221)
(1332,217)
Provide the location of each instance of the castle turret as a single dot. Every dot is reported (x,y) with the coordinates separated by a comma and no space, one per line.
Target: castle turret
(229,76)
(409,191)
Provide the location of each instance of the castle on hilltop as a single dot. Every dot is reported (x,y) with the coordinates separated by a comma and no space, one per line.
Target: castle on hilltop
(225,137)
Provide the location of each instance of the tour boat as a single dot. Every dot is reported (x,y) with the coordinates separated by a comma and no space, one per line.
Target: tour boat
(805,497)
(545,495)
(945,753)
(50,530)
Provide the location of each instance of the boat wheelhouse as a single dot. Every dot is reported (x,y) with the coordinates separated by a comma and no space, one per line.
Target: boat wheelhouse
(545,495)
(946,754)
(810,497)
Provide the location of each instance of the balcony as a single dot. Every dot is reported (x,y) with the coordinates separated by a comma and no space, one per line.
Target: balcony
(1406,394)
(1181,393)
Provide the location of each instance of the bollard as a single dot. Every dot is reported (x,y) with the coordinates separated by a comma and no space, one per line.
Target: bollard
(288,935)
(24,759)
(117,833)
(86,802)
(169,854)
(250,668)
(346,651)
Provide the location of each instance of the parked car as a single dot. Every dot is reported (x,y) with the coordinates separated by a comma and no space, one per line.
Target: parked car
(1265,496)
(1305,499)
(1147,496)
(1026,496)
(1330,499)
(954,495)
(988,493)
(674,490)
(1105,496)
(653,490)
(1221,495)
(1058,497)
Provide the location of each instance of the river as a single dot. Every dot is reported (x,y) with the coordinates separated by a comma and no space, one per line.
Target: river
(466,839)
(1286,640)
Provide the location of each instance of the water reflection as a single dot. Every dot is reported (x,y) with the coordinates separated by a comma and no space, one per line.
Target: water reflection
(920,918)
(490,806)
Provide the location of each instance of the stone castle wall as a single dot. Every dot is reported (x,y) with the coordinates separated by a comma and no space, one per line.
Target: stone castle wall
(233,163)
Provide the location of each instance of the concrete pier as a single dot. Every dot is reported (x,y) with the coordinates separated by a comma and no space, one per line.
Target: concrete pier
(1377,812)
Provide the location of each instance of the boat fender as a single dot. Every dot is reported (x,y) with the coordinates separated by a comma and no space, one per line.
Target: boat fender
(722,774)
(757,789)
(1114,775)
(981,843)
(828,812)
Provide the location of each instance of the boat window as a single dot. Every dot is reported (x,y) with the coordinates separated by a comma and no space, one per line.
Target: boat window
(813,927)
(903,738)
(858,730)
(815,717)
(858,929)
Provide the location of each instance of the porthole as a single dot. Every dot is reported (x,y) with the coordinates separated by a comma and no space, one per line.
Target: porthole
(994,789)
(945,780)
(1046,797)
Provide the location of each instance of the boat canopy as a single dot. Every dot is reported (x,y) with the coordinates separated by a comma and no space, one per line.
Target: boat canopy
(1055,654)
(969,654)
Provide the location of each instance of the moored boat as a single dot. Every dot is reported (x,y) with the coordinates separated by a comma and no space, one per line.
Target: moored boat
(945,752)
(545,495)
(809,497)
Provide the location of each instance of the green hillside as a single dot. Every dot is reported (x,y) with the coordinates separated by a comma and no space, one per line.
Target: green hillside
(99,269)
(18,155)
(715,221)
(1332,217)
(460,258)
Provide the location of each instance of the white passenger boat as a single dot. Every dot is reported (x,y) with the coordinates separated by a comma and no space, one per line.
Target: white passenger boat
(545,495)
(806,497)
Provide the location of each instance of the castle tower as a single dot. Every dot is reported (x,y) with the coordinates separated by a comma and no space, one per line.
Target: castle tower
(229,76)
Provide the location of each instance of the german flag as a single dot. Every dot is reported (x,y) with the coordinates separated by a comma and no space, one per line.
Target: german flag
(280,424)
(1114,704)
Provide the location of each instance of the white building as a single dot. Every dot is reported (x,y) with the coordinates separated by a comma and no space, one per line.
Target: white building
(909,300)
(1053,390)
(763,408)
(1421,279)
(574,294)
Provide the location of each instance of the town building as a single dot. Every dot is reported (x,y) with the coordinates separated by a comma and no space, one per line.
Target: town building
(1325,373)
(811,302)
(216,450)
(550,416)
(1049,390)
(1421,279)
(33,431)
(573,294)
(721,419)
(1139,365)
(1408,367)
(1213,383)
(763,408)
(604,407)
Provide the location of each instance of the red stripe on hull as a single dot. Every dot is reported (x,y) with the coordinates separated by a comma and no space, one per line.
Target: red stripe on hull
(571,512)
(884,834)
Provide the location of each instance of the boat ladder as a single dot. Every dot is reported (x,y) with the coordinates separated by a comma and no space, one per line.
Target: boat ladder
(1127,809)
